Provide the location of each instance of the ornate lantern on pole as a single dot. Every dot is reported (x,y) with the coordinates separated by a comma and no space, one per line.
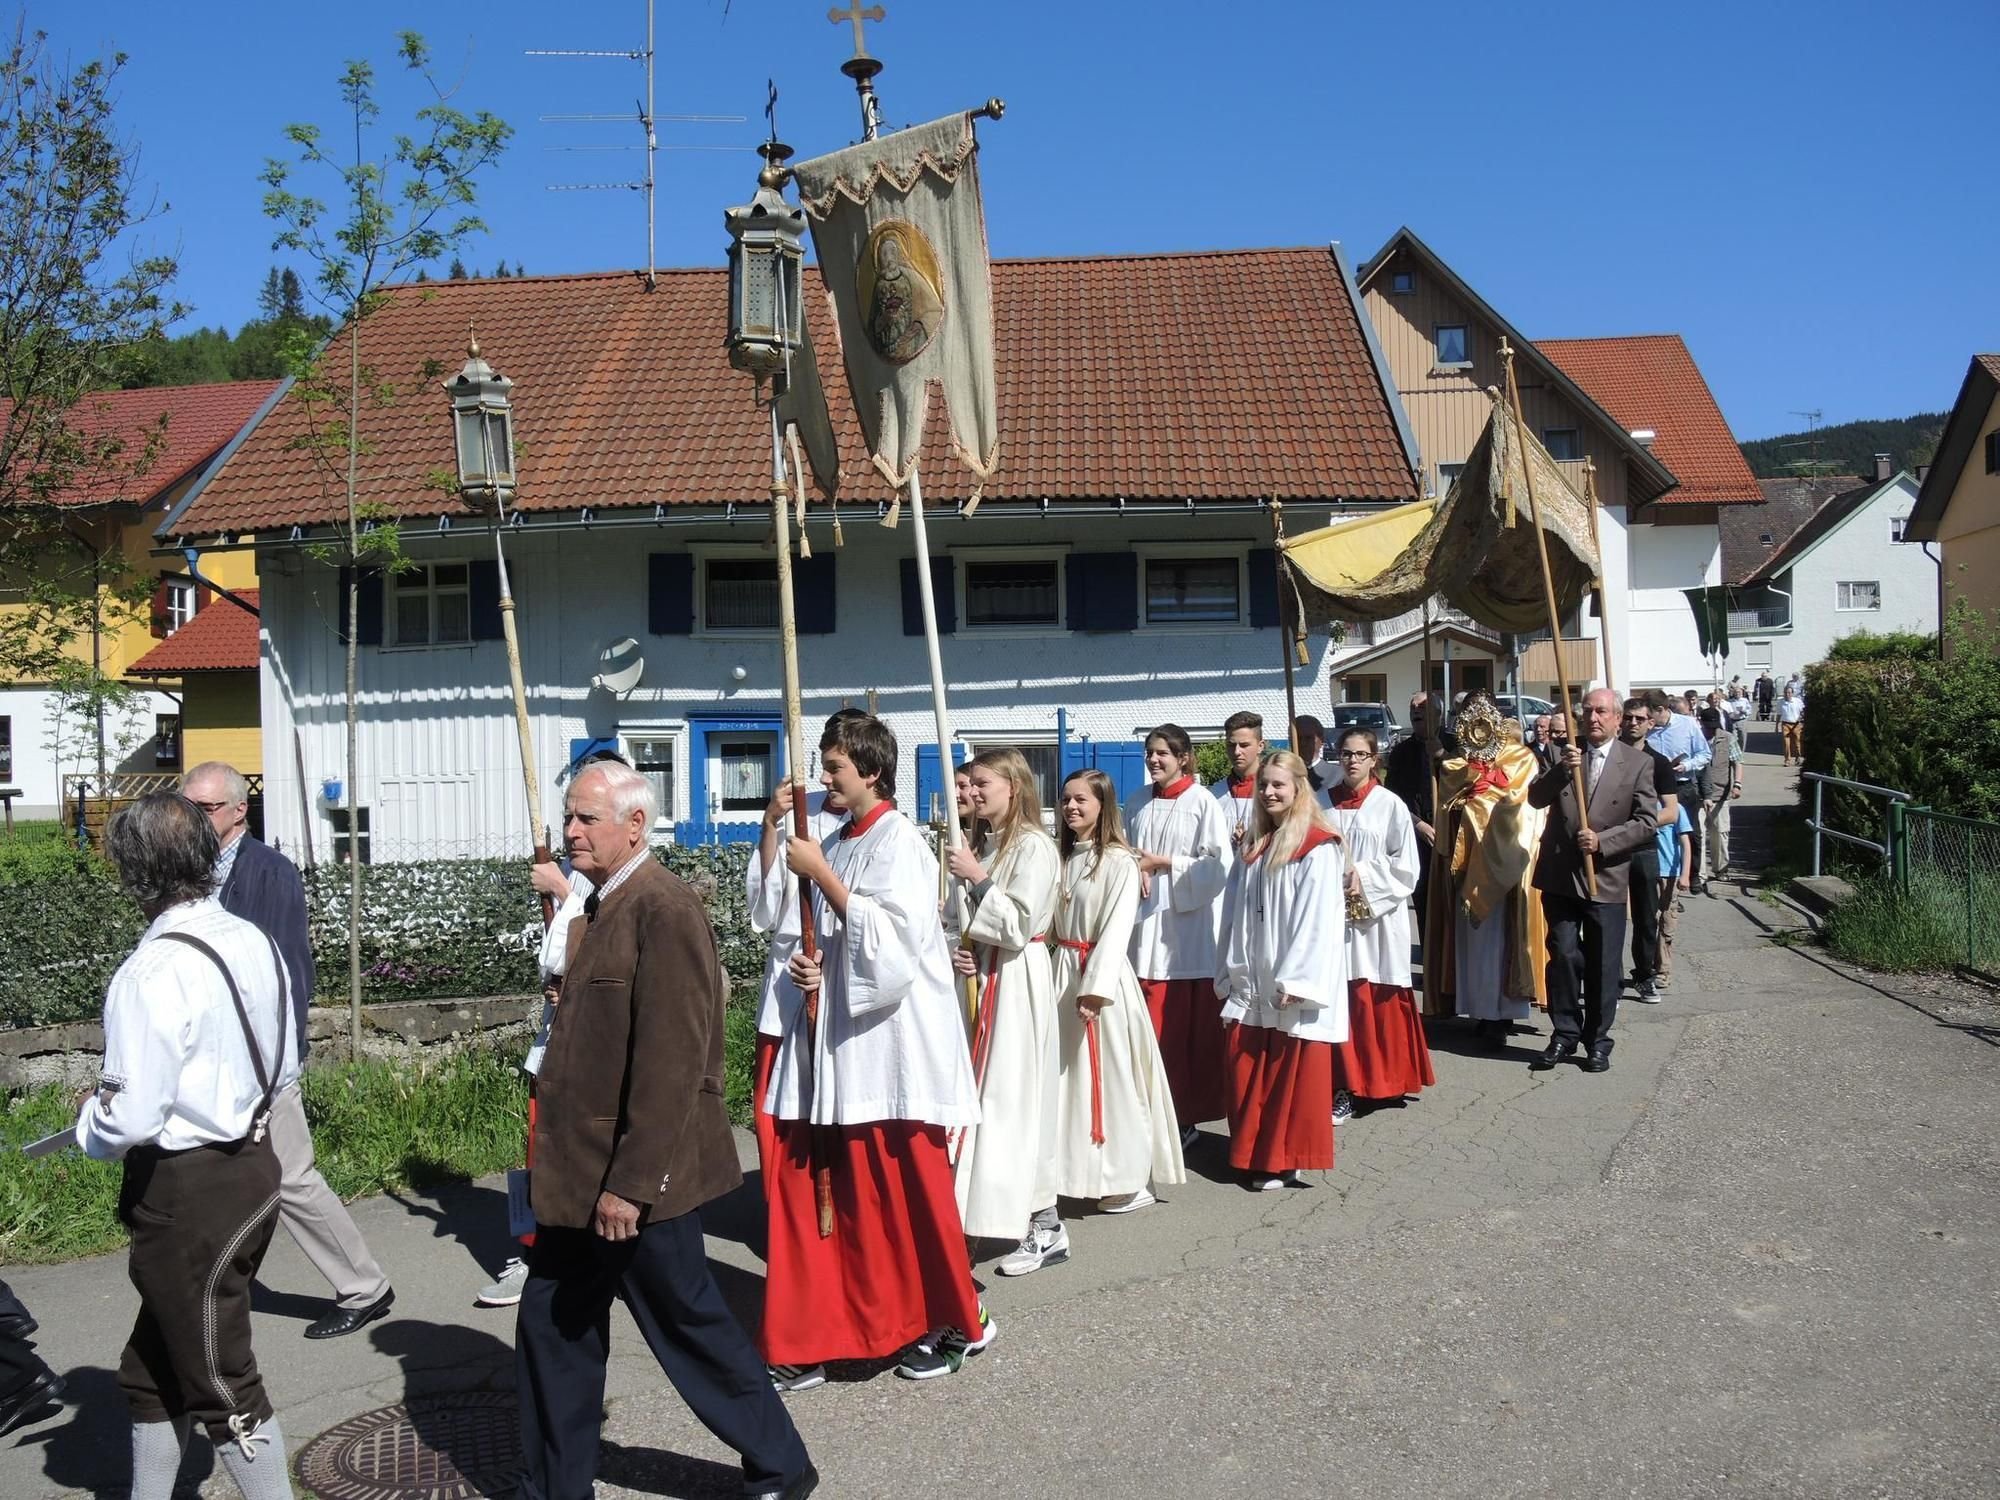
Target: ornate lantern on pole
(766,327)
(482,414)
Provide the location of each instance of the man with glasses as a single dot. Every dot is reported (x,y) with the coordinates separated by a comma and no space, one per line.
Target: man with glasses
(1679,738)
(255,882)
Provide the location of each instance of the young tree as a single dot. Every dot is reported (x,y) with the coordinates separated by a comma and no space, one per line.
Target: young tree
(75,301)
(410,206)
(457,272)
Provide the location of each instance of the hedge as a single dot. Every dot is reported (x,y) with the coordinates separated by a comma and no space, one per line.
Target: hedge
(1927,726)
(444,929)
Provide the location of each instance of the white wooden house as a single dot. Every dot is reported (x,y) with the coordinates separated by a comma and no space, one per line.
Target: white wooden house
(1118,573)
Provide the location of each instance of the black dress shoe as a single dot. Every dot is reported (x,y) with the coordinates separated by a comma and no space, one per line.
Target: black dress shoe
(1558,1051)
(24,1403)
(1599,1060)
(798,1489)
(344,1320)
(18,1326)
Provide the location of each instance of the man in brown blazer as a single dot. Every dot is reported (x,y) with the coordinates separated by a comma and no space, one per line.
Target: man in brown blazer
(631,1138)
(1586,929)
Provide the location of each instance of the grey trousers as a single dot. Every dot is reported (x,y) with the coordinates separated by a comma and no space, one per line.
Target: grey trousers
(313,1214)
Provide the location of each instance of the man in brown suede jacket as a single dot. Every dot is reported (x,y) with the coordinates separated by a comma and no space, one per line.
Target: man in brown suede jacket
(631,1138)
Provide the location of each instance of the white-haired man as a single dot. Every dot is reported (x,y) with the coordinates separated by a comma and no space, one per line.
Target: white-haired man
(255,882)
(631,1137)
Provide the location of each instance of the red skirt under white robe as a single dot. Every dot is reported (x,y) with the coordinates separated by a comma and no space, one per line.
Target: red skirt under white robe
(1194,1046)
(1281,1102)
(895,1266)
(1385,1055)
(766,1123)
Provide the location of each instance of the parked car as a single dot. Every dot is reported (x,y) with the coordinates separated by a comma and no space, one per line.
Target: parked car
(1526,707)
(1376,716)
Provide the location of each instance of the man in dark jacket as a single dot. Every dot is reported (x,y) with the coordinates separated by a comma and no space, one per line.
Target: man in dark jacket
(631,1138)
(258,884)
(1409,771)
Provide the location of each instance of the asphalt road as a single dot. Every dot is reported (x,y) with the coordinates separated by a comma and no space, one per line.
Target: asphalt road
(1756,1258)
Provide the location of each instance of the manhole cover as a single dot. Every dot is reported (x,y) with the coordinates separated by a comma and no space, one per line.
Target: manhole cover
(442,1448)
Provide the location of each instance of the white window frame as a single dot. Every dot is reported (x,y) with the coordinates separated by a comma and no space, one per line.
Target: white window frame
(704,554)
(6,747)
(978,741)
(1840,591)
(391,641)
(1237,552)
(961,556)
(1437,347)
(674,732)
(1444,479)
(1751,649)
(1402,283)
(1899,527)
(183,599)
(713,749)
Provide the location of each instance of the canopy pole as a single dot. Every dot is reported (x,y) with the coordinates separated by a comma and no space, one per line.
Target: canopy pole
(1549,599)
(1287,624)
(1597,581)
(523,731)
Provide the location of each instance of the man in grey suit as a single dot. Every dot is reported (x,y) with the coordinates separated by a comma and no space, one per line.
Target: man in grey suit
(1586,928)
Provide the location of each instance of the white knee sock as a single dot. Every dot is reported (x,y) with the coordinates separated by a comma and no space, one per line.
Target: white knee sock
(156,1457)
(264,1475)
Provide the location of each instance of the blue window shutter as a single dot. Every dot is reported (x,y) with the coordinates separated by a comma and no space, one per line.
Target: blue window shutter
(670,593)
(485,590)
(1264,588)
(1124,761)
(370,633)
(1103,590)
(812,593)
(941,590)
(930,784)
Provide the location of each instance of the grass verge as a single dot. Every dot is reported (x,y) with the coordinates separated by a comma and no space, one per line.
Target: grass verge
(378,1124)
(1886,928)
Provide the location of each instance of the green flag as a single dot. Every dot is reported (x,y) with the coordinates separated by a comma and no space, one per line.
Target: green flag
(1711,619)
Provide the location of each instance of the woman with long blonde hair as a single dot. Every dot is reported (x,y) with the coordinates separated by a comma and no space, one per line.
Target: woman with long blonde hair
(1282,975)
(1005,1165)
(1116,1134)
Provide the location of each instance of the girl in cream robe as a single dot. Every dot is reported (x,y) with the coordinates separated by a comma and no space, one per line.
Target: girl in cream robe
(1115,1127)
(1005,1165)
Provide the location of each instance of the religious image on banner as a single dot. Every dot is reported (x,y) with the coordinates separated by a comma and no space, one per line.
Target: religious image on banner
(901,237)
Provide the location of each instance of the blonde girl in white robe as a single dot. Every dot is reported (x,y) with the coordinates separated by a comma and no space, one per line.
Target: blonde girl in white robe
(1282,976)
(1116,1136)
(1005,1168)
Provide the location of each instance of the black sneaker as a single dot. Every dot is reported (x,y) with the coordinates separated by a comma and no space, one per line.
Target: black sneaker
(927,1359)
(1343,1106)
(789,1378)
(956,1340)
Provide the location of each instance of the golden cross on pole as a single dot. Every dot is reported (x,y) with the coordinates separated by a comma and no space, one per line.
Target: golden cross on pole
(857,14)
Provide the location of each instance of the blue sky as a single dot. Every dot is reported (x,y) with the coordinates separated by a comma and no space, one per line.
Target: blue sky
(1805,190)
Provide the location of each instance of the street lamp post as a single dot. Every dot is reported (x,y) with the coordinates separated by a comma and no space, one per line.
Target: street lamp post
(482,411)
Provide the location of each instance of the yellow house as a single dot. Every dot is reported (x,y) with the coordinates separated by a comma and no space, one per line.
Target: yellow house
(1958,506)
(168,438)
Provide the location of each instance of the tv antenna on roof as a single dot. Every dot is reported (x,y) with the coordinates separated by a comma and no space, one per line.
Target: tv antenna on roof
(1810,440)
(648,123)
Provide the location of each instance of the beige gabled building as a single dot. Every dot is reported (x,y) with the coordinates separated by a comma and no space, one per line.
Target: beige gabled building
(1958,505)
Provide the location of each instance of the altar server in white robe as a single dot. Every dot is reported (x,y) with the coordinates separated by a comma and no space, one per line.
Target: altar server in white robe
(1116,1136)
(1005,1165)
(1385,1056)
(1282,975)
(871,1097)
(1183,847)
(1236,793)
(772,896)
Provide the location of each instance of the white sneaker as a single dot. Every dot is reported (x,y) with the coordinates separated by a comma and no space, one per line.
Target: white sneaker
(789,1378)
(505,1289)
(1040,1247)
(1269,1184)
(1126,1203)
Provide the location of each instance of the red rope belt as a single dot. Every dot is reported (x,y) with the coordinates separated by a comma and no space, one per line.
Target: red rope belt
(982,1032)
(1082,951)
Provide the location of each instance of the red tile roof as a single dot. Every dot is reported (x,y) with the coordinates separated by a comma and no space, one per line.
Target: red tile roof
(192,423)
(1650,380)
(220,638)
(1227,375)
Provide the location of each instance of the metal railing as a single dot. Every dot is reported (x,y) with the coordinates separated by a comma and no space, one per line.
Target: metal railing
(1951,867)
(1818,824)
(1762,617)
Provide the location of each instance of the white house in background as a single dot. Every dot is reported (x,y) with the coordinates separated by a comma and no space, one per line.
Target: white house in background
(1847,569)
(1119,572)
(1636,408)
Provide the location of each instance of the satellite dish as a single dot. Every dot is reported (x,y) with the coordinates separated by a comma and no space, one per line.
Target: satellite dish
(622,666)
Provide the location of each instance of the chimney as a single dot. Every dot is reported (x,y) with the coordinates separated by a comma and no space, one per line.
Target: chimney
(1923,472)
(1643,436)
(1884,466)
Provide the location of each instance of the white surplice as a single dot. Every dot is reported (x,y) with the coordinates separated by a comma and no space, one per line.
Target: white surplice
(1097,904)
(1174,936)
(1236,810)
(1284,931)
(1381,842)
(891,1043)
(1005,1168)
(773,899)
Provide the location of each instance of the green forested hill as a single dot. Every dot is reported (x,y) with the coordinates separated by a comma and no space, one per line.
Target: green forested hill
(1848,448)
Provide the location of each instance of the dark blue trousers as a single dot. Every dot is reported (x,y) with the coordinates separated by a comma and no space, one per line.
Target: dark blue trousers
(564,1336)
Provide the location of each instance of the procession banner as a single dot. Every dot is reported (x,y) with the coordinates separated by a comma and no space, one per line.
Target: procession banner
(901,237)
(803,409)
